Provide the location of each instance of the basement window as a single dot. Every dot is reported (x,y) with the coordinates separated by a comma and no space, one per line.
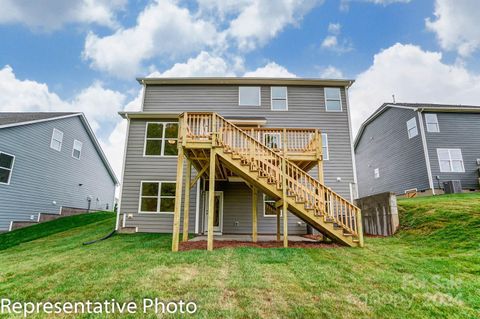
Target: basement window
(157,197)
(412,128)
(77,149)
(161,139)
(57,140)
(249,95)
(6,167)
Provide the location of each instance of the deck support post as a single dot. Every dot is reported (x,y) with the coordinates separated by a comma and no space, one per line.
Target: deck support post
(211,199)
(284,190)
(254,214)
(178,200)
(320,156)
(278,223)
(186,203)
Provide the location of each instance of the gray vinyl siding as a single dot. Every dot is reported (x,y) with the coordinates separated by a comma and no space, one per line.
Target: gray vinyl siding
(306,108)
(385,145)
(457,130)
(42,175)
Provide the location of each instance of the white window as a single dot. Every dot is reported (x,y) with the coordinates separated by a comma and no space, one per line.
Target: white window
(269,209)
(161,139)
(325,150)
(279,98)
(450,160)
(333,101)
(376,173)
(77,149)
(6,167)
(432,123)
(412,128)
(249,95)
(157,197)
(273,140)
(57,140)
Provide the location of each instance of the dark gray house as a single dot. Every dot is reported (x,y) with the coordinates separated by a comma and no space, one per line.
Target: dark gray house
(407,147)
(213,123)
(49,161)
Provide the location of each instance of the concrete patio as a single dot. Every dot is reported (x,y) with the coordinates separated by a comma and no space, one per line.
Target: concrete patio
(260,238)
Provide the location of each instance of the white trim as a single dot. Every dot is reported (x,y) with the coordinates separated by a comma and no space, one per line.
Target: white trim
(143,96)
(410,190)
(259,95)
(286,98)
(339,98)
(163,139)
(197,207)
(325,158)
(425,152)
(40,121)
(158,197)
(123,174)
(11,226)
(376,173)
(10,169)
(38,217)
(80,150)
(60,140)
(124,221)
(450,160)
(220,212)
(352,149)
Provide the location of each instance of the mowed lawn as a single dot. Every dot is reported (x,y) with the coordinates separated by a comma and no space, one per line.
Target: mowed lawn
(430,269)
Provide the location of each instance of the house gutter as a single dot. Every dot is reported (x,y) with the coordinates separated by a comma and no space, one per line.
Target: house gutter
(123,173)
(425,149)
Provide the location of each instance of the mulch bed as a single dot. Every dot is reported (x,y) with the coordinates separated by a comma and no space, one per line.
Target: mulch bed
(191,245)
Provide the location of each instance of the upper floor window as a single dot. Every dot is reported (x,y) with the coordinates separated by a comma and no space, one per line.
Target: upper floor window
(249,95)
(57,140)
(77,149)
(376,173)
(333,100)
(450,160)
(161,139)
(432,123)
(6,167)
(325,150)
(157,197)
(279,98)
(412,128)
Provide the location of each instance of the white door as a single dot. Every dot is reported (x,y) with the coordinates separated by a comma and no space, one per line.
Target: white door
(218,213)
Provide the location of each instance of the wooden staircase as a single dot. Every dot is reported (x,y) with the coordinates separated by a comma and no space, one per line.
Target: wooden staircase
(272,172)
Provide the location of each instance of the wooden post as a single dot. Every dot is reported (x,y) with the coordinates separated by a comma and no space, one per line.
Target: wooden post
(211,199)
(254,214)
(278,223)
(186,203)
(359,227)
(178,200)
(319,156)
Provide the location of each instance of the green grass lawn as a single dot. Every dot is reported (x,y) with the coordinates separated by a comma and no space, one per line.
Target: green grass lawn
(430,269)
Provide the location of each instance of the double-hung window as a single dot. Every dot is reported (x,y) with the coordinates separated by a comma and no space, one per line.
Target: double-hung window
(432,123)
(450,160)
(161,139)
(279,98)
(57,140)
(77,149)
(376,173)
(157,197)
(249,95)
(412,128)
(6,167)
(325,150)
(333,100)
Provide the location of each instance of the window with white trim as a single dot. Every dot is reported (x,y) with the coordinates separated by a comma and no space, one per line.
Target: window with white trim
(269,209)
(249,95)
(157,197)
(376,173)
(161,139)
(272,140)
(57,140)
(325,150)
(333,100)
(450,160)
(279,100)
(77,149)
(432,123)
(412,128)
(6,167)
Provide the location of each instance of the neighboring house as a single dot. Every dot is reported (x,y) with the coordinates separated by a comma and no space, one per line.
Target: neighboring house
(312,114)
(407,147)
(50,160)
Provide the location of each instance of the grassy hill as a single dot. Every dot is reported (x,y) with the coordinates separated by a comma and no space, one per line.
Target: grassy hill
(430,269)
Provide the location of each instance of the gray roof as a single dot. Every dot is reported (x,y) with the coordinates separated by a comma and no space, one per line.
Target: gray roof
(21,117)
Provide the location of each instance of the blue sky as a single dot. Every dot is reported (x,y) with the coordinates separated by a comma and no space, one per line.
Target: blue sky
(85,55)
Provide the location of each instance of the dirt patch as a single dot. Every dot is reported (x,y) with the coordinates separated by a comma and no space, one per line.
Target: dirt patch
(191,245)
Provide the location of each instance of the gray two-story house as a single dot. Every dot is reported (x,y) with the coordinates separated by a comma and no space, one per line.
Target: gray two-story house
(49,161)
(414,147)
(248,135)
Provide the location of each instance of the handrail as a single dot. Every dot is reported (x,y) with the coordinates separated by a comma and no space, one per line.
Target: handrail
(268,163)
(298,140)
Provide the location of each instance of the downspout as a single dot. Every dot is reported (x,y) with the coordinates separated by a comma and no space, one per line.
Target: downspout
(117,224)
(425,150)
(352,150)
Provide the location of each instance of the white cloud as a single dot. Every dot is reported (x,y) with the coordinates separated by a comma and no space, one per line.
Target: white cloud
(53,14)
(332,42)
(345,4)
(456,25)
(331,72)
(413,75)
(271,69)
(162,29)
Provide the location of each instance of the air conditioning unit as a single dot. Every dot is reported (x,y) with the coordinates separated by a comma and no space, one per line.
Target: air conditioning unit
(452,187)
